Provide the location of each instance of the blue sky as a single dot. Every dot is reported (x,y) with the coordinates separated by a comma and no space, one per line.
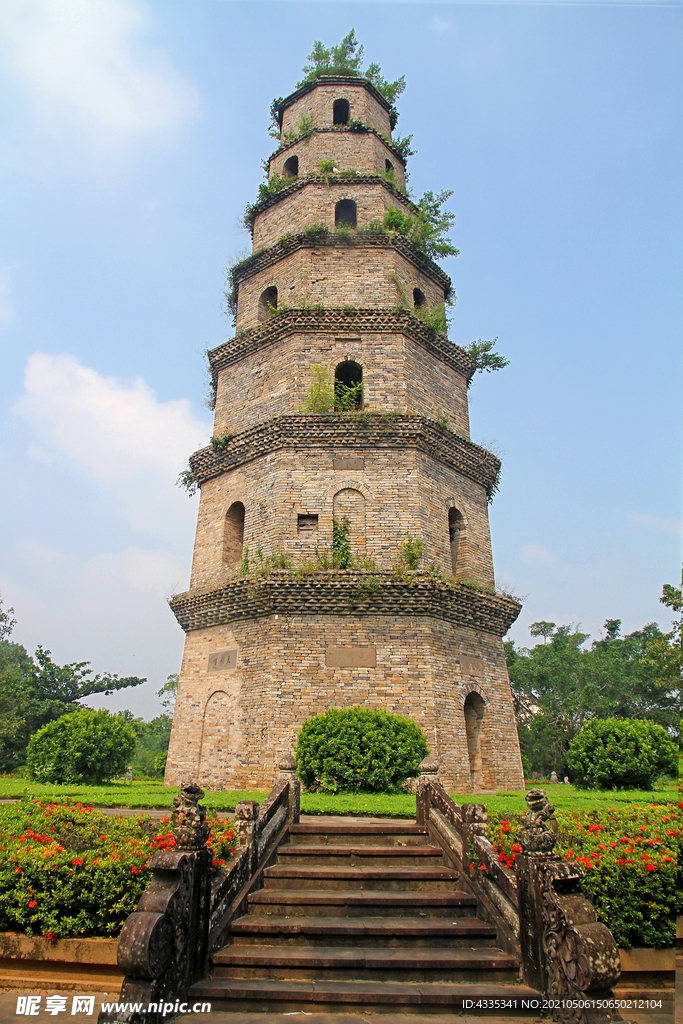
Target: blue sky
(131,138)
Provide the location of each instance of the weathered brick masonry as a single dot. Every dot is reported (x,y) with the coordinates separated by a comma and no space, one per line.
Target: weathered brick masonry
(267,650)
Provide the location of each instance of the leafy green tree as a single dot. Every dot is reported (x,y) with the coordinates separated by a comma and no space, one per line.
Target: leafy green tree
(557,686)
(87,747)
(485,358)
(664,652)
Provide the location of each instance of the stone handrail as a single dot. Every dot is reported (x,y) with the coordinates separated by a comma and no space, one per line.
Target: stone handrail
(184,913)
(539,911)
(462,833)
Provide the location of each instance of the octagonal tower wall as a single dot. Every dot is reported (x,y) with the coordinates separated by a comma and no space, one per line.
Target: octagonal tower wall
(316,100)
(336,275)
(366,152)
(395,493)
(247,687)
(398,373)
(315,203)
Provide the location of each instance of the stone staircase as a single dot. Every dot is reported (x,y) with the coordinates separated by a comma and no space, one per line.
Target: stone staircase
(362,915)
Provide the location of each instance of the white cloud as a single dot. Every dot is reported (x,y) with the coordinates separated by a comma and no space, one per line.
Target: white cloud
(116,434)
(111,610)
(536,553)
(6,308)
(84,65)
(643,521)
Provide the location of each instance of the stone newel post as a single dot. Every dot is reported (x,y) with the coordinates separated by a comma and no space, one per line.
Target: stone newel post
(566,952)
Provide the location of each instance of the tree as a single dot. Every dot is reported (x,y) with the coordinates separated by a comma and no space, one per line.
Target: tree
(664,653)
(557,686)
(485,358)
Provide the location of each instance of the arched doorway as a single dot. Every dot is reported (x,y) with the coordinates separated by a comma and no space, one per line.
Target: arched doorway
(474,708)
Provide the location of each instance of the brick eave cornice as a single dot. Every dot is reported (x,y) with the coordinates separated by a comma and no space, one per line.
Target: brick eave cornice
(313,321)
(366,130)
(360,432)
(344,593)
(363,83)
(332,179)
(352,240)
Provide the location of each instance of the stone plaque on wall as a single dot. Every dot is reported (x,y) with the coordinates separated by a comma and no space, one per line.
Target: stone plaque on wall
(351,657)
(470,666)
(348,463)
(222,661)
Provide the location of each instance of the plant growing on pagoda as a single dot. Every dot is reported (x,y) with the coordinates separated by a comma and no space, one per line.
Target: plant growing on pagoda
(485,357)
(341,545)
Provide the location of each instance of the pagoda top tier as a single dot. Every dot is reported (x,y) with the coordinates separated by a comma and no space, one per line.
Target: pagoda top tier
(335,100)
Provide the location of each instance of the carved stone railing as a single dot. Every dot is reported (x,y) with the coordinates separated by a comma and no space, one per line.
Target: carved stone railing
(540,914)
(184,914)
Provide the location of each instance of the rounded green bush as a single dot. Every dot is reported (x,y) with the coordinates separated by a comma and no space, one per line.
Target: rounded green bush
(621,753)
(358,750)
(81,747)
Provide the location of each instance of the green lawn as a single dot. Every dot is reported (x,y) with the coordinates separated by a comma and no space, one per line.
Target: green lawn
(155,794)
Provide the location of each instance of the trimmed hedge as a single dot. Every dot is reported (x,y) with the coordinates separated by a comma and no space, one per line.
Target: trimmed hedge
(358,750)
(621,753)
(82,747)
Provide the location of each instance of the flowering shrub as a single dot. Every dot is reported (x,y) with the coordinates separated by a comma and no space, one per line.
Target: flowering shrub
(68,870)
(629,856)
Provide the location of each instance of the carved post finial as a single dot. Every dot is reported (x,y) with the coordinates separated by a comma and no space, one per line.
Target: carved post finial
(539,829)
(188,820)
(430,766)
(287,762)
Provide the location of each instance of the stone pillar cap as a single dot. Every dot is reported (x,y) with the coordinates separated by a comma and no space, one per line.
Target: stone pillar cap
(429,766)
(287,762)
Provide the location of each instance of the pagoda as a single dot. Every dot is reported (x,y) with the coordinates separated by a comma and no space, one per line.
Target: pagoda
(342,554)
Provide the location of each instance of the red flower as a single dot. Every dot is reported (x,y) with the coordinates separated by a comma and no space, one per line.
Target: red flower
(650,867)
(667,860)
(620,860)
(76,861)
(33,903)
(482,867)
(50,937)
(516,848)
(17,871)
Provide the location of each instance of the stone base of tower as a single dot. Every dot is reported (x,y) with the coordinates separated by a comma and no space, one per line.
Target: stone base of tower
(246,688)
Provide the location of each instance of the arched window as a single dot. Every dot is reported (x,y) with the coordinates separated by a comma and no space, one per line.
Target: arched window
(291,167)
(267,302)
(340,112)
(419,298)
(474,717)
(348,386)
(388,166)
(345,214)
(233,535)
(455,527)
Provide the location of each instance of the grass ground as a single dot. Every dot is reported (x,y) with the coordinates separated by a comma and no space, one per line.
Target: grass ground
(155,794)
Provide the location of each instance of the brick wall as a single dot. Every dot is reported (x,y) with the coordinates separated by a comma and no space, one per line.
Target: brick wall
(404,492)
(319,100)
(397,374)
(364,151)
(336,275)
(315,204)
(424,668)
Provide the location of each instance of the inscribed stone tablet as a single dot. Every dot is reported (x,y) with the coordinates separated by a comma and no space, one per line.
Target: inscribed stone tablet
(222,661)
(471,666)
(348,463)
(351,657)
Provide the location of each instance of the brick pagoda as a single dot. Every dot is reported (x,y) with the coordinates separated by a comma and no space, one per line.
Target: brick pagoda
(268,648)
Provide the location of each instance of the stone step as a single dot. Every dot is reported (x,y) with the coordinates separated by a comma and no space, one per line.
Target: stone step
(387,932)
(382,878)
(322,833)
(350,903)
(379,997)
(308,854)
(333,963)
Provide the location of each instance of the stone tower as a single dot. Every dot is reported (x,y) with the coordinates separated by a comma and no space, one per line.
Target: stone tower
(328,291)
